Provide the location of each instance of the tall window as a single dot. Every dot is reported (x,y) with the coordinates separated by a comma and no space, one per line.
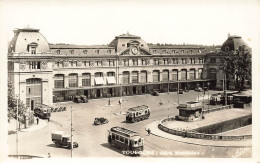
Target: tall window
(165,75)
(183,74)
(143,77)
(34,65)
(175,75)
(135,62)
(200,73)
(86,79)
(58,51)
(58,81)
(72,52)
(192,74)
(125,77)
(126,62)
(111,74)
(213,73)
(73,80)
(156,76)
(85,51)
(135,77)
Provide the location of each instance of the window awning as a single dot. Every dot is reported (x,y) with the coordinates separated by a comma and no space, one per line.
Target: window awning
(111,80)
(99,80)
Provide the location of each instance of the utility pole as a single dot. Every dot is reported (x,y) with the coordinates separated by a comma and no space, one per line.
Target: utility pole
(178,94)
(71,134)
(208,95)
(17,125)
(225,89)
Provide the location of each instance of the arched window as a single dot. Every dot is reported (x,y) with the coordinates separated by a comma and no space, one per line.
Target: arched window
(192,74)
(175,75)
(86,79)
(143,77)
(156,75)
(73,80)
(135,77)
(213,73)
(126,77)
(165,75)
(200,73)
(183,74)
(58,81)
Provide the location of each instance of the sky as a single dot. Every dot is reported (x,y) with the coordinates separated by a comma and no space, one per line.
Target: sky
(98,22)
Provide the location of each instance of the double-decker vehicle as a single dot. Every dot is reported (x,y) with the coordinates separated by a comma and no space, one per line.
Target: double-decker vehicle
(137,113)
(126,139)
(42,111)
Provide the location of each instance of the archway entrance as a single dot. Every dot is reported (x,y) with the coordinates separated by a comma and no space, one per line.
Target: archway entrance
(33,92)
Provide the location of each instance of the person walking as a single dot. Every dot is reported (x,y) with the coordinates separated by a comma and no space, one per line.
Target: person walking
(37,120)
(149,131)
(48,119)
(49,155)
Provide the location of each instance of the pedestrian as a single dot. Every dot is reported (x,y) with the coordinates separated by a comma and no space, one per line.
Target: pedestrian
(48,119)
(37,120)
(49,155)
(149,131)
(119,102)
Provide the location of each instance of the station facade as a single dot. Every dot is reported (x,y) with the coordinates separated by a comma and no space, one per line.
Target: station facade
(46,73)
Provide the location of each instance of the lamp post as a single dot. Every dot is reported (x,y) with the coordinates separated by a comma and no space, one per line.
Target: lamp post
(71,130)
(109,96)
(17,125)
(178,93)
(208,95)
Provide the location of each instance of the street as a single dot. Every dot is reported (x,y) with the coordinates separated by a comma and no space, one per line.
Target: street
(93,139)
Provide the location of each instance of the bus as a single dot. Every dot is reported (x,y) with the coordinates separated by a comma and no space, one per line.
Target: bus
(42,111)
(128,140)
(137,113)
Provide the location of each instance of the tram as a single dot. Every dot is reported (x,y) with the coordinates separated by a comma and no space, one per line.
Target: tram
(137,113)
(128,140)
(219,98)
(42,111)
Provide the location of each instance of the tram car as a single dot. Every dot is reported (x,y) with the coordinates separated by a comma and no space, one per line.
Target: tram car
(137,113)
(219,98)
(128,140)
(42,111)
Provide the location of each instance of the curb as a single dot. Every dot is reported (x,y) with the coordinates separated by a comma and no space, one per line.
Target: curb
(153,126)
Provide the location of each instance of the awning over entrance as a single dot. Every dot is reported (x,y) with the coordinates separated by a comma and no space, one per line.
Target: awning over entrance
(99,80)
(111,80)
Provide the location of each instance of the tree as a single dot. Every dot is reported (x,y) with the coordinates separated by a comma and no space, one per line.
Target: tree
(239,66)
(12,103)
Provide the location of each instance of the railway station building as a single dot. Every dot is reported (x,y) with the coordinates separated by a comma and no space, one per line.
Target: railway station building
(46,73)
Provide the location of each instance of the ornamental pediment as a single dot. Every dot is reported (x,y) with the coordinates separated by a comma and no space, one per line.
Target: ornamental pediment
(134,51)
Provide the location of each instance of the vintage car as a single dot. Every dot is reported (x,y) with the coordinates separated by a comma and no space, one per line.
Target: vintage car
(180,91)
(155,93)
(77,99)
(100,121)
(199,89)
(84,98)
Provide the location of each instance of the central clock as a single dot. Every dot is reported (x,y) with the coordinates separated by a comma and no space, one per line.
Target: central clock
(134,50)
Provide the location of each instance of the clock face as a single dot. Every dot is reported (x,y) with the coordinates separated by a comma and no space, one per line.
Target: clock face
(134,50)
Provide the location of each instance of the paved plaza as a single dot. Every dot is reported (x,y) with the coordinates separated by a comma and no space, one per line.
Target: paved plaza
(93,139)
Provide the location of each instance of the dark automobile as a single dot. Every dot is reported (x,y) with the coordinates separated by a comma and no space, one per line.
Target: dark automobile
(199,89)
(77,99)
(155,93)
(180,91)
(84,98)
(100,121)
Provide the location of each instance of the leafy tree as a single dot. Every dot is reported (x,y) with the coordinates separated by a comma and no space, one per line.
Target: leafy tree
(239,66)
(12,103)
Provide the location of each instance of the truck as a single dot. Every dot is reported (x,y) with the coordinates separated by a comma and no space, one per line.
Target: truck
(63,140)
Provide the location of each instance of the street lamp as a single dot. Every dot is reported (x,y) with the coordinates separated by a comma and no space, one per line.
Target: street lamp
(71,130)
(178,93)
(17,126)
(208,95)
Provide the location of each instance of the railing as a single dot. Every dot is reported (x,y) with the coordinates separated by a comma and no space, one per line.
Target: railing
(217,109)
(194,134)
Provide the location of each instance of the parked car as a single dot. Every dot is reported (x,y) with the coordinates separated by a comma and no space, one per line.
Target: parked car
(84,98)
(155,93)
(100,121)
(180,91)
(77,99)
(199,89)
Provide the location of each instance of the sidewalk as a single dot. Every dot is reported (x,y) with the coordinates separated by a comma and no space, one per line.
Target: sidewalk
(42,123)
(157,132)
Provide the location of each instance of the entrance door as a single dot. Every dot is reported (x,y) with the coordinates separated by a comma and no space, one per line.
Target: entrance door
(134,90)
(143,89)
(110,91)
(98,92)
(86,93)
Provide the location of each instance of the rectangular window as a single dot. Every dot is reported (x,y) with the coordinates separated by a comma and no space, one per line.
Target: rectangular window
(72,52)
(175,75)
(156,76)
(34,65)
(33,50)
(59,81)
(58,51)
(85,51)
(97,51)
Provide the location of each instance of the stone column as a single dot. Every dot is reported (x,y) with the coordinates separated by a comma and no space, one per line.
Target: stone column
(80,80)
(66,81)
(92,80)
